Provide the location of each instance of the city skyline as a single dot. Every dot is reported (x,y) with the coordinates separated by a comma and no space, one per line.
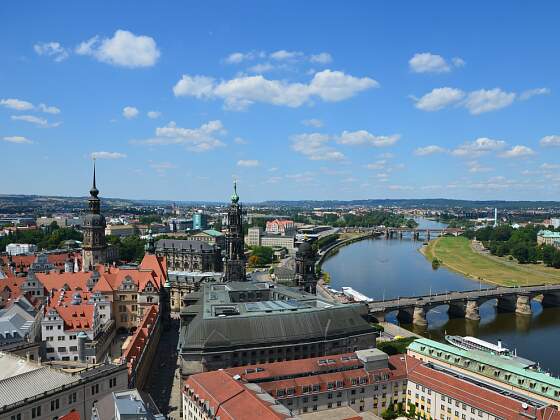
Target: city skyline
(296,102)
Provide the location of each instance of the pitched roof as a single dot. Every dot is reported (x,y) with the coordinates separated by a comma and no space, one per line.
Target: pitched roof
(157,264)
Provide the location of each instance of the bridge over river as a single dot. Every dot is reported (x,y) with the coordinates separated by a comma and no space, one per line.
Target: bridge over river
(466,304)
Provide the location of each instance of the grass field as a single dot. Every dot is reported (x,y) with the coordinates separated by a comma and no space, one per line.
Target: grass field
(456,254)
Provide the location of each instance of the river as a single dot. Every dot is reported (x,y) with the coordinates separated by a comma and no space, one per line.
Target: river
(381,268)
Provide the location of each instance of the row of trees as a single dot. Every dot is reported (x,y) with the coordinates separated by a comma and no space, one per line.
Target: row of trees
(261,255)
(520,243)
(131,248)
(372,218)
(51,237)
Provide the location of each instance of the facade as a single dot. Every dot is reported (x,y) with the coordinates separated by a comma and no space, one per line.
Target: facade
(182,283)
(33,391)
(256,237)
(305,277)
(512,373)
(20,249)
(120,230)
(94,248)
(555,222)
(189,255)
(547,237)
(211,236)
(242,323)
(444,393)
(279,226)
(234,266)
(200,221)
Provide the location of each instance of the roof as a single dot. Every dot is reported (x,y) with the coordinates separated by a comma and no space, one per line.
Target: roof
(141,337)
(72,415)
(184,244)
(157,264)
(213,232)
(549,234)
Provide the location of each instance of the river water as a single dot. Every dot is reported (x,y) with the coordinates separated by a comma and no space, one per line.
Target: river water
(381,268)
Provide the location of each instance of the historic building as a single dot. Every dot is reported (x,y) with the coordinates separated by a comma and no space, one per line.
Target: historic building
(234,269)
(94,245)
(189,255)
(305,277)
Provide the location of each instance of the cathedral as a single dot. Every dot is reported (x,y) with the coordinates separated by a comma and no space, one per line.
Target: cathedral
(234,260)
(94,247)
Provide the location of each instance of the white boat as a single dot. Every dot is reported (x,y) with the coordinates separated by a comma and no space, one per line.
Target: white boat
(355,295)
(473,343)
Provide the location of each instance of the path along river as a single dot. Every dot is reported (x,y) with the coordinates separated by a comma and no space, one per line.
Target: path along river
(381,268)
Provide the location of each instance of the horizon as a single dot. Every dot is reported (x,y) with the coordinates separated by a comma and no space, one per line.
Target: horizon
(296,103)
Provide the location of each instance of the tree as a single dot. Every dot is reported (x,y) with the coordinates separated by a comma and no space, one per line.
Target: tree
(131,249)
(264,254)
(253,261)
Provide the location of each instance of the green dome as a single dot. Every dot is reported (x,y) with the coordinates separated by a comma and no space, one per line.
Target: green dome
(234,196)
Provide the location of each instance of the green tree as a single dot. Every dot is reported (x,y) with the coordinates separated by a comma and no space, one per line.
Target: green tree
(131,249)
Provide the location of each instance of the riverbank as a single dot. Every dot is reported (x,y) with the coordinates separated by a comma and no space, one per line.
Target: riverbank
(346,239)
(458,255)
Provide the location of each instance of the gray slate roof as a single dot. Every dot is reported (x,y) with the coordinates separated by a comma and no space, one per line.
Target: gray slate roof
(184,244)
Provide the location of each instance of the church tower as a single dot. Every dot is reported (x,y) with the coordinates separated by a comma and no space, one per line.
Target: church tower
(234,266)
(94,248)
(305,278)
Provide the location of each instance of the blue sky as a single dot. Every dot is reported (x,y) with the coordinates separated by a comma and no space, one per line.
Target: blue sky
(296,100)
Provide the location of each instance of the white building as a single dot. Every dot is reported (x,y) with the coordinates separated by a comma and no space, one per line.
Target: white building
(20,249)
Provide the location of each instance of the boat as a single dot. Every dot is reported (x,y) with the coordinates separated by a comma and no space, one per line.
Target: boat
(355,295)
(473,343)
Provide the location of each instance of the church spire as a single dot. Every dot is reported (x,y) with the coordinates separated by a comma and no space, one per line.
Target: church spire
(94,192)
(234,196)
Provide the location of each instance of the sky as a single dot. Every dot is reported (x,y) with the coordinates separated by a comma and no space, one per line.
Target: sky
(294,100)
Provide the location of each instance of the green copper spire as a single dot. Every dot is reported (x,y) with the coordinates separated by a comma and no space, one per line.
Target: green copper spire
(234,196)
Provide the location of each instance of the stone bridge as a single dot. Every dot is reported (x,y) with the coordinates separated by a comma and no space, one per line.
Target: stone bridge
(398,232)
(466,304)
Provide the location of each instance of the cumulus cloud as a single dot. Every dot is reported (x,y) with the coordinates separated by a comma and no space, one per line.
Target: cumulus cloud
(429,150)
(518,152)
(313,122)
(321,58)
(315,146)
(49,109)
(130,112)
(439,98)
(364,137)
(52,49)
(241,92)
(124,49)
(483,100)
(16,104)
(282,55)
(201,139)
(34,120)
(478,147)
(548,141)
(248,163)
(239,140)
(154,114)
(261,68)
(475,167)
(107,155)
(17,139)
(433,63)
(527,94)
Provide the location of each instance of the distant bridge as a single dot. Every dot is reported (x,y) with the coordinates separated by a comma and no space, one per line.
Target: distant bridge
(398,232)
(466,304)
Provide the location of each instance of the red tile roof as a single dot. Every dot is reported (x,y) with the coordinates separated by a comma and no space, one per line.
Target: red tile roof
(141,336)
(72,415)
(157,264)
(23,262)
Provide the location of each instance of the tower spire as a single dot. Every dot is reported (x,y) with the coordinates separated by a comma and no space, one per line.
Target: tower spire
(94,191)
(234,196)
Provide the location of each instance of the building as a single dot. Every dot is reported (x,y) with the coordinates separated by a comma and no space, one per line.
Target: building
(305,276)
(120,230)
(126,405)
(547,237)
(242,323)
(200,220)
(555,222)
(94,248)
(210,236)
(511,373)
(20,249)
(279,226)
(29,390)
(440,392)
(234,267)
(217,395)
(57,260)
(20,323)
(182,283)
(190,255)
(256,237)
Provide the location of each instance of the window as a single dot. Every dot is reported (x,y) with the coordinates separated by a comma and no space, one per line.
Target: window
(62,349)
(73,348)
(55,404)
(36,412)
(72,398)
(50,338)
(94,389)
(16,417)
(112,382)
(61,338)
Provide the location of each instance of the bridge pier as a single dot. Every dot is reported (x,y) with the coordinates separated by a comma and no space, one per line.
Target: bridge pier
(428,235)
(419,316)
(472,310)
(523,305)
(400,234)
(405,315)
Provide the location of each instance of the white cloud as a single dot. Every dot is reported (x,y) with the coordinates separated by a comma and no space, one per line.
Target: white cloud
(364,137)
(107,155)
(241,92)
(239,57)
(17,139)
(428,63)
(313,122)
(380,164)
(429,150)
(248,163)
(124,49)
(162,167)
(34,120)
(478,147)
(550,166)
(261,68)
(16,104)
(154,114)
(548,141)
(130,112)
(517,152)
(201,139)
(439,98)
(239,140)
(49,109)
(475,167)
(52,49)
(282,55)
(483,100)
(533,92)
(458,62)
(321,58)
(315,147)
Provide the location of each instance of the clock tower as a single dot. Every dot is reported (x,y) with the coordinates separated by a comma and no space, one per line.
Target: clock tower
(94,247)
